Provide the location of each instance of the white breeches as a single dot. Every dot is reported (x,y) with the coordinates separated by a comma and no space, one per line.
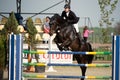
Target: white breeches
(76,27)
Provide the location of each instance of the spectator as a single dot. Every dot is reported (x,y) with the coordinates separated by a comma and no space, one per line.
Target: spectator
(46,26)
(46,29)
(86,33)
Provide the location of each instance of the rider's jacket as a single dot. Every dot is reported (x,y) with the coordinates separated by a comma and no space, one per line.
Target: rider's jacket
(70,17)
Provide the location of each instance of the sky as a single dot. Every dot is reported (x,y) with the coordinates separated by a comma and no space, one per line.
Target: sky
(82,8)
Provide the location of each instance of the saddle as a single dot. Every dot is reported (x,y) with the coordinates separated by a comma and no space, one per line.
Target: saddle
(78,35)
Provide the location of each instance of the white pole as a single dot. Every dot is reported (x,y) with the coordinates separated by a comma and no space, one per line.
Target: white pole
(50,69)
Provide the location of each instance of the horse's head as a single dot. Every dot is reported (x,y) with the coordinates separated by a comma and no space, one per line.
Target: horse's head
(55,21)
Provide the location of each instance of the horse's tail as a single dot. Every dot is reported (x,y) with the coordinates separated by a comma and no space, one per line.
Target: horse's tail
(90,57)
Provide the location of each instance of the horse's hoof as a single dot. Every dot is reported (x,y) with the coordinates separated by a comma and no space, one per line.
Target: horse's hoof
(61,49)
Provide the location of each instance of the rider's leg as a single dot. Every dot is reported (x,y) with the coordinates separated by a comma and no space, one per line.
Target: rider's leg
(76,27)
(78,33)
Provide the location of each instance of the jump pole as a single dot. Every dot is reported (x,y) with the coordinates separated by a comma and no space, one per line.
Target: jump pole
(50,69)
(11,58)
(19,53)
(15,57)
(17,75)
(116,58)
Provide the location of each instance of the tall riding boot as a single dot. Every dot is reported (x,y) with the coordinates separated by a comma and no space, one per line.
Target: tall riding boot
(80,38)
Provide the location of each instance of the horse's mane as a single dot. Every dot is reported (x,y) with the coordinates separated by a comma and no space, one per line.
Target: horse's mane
(57,15)
(58,18)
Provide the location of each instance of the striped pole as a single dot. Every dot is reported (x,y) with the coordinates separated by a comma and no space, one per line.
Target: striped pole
(35,52)
(116,58)
(68,77)
(65,52)
(52,64)
(15,57)
(11,57)
(19,48)
(84,53)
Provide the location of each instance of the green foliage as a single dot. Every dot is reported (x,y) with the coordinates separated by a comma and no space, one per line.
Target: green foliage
(31,30)
(30,27)
(106,7)
(11,25)
(105,38)
(2,52)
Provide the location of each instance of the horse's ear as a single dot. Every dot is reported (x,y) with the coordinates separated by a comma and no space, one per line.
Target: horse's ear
(68,2)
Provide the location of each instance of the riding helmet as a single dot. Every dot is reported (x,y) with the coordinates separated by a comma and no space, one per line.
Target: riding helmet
(67,6)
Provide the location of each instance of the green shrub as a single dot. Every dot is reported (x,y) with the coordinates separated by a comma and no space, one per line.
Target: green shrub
(2,53)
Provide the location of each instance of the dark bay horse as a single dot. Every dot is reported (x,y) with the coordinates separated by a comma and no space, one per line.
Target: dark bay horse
(66,39)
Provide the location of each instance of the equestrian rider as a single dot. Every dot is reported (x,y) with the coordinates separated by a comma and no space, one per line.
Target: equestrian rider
(70,17)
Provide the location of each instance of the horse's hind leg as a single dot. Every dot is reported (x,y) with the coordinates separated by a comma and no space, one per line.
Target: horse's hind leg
(79,61)
(83,69)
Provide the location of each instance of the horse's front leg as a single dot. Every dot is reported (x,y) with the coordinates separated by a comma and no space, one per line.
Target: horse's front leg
(58,44)
(66,44)
(59,47)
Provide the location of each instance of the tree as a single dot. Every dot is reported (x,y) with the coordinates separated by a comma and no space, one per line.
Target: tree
(10,26)
(117,29)
(31,30)
(2,56)
(106,7)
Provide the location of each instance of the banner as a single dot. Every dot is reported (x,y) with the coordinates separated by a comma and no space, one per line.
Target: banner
(52,58)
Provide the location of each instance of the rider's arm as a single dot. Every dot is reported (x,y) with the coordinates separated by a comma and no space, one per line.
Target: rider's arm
(63,15)
(74,19)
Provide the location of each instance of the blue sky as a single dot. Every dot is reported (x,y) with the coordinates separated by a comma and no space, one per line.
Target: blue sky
(82,8)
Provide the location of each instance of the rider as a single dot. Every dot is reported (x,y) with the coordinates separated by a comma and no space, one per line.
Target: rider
(70,17)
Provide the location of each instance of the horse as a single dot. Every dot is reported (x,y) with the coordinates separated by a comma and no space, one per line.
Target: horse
(66,39)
